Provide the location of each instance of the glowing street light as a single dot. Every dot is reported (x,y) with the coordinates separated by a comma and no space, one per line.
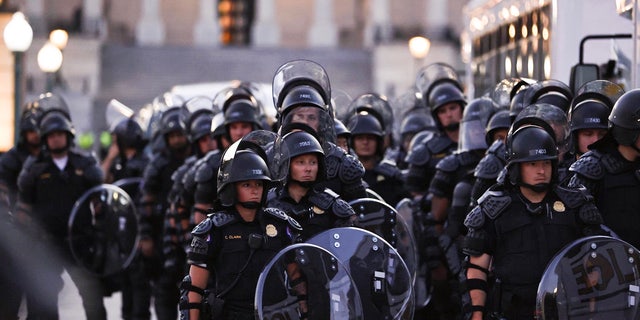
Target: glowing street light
(49,61)
(18,35)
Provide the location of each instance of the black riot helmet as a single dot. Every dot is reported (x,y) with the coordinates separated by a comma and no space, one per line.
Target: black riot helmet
(129,134)
(300,73)
(552,115)
(303,142)
(416,121)
(589,114)
(174,119)
(444,94)
(341,129)
(365,122)
(435,74)
(624,120)
(218,129)
(553,92)
(526,144)
(375,105)
(499,120)
(54,120)
(474,121)
(520,100)
(242,110)
(199,124)
(49,101)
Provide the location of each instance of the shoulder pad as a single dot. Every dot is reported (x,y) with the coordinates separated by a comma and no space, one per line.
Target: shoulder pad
(489,167)
(589,166)
(342,209)
(388,169)
(573,197)
(498,148)
(493,202)
(205,173)
(475,218)
(10,161)
(222,218)
(279,214)
(439,144)
(612,163)
(468,159)
(89,166)
(449,163)
(177,175)
(351,169)
(418,155)
(323,199)
(203,227)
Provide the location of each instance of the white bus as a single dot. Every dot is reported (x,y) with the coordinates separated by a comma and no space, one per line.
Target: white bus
(540,39)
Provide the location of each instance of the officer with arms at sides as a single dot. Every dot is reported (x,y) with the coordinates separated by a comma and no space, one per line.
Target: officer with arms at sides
(609,170)
(236,241)
(49,184)
(315,208)
(520,224)
(302,94)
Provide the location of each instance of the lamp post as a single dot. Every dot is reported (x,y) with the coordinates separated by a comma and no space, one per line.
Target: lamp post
(49,61)
(18,35)
(59,38)
(419,49)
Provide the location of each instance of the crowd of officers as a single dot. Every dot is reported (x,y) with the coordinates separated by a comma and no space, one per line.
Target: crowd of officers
(497,186)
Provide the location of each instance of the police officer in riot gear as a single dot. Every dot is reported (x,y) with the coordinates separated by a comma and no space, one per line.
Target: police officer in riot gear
(237,240)
(450,193)
(302,197)
(368,133)
(590,109)
(239,116)
(520,224)
(49,185)
(343,136)
(609,170)
(10,165)
(487,171)
(442,90)
(155,192)
(125,158)
(177,224)
(302,94)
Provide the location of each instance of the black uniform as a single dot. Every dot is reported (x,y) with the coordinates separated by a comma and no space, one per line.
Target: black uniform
(317,210)
(224,244)
(206,184)
(522,237)
(488,169)
(423,158)
(51,193)
(613,181)
(136,288)
(387,181)
(157,183)
(10,166)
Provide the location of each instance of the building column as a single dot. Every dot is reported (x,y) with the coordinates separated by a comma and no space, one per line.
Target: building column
(265,31)
(34,11)
(92,19)
(323,32)
(436,19)
(150,29)
(206,31)
(378,28)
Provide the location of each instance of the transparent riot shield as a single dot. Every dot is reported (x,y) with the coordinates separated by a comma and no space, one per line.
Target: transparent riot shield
(406,243)
(306,279)
(103,230)
(592,278)
(131,186)
(115,112)
(381,275)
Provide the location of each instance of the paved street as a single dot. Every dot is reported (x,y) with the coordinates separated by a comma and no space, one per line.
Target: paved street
(71,305)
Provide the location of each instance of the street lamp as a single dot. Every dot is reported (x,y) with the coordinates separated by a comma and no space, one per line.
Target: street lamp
(17,37)
(419,48)
(49,61)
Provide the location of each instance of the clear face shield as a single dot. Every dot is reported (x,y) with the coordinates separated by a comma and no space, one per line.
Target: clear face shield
(472,136)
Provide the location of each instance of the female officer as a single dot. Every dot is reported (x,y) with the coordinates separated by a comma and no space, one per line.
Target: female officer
(237,241)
